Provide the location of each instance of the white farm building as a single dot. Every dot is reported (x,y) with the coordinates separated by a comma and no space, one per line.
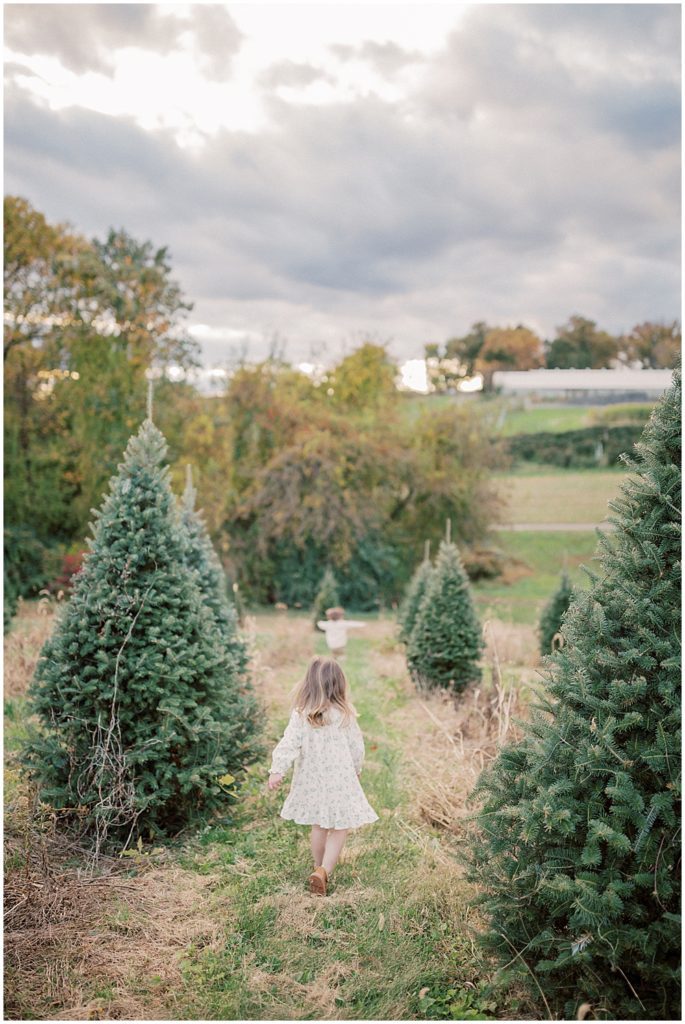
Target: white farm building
(596,386)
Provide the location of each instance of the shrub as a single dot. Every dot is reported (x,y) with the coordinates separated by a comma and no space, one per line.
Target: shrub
(580,449)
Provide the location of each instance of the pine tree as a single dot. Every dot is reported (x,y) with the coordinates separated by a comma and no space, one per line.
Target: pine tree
(446,641)
(416,588)
(201,556)
(140,712)
(550,620)
(577,845)
(327,595)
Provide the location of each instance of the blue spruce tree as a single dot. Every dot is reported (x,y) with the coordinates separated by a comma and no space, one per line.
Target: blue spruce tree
(140,710)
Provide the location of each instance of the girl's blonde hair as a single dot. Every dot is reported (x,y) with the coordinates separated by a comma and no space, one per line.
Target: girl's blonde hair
(324,686)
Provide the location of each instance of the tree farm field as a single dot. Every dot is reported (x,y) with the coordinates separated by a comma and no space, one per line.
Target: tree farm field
(220,925)
(555,515)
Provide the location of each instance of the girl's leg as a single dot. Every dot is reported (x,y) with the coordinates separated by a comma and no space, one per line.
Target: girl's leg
(334,844)
(318,844)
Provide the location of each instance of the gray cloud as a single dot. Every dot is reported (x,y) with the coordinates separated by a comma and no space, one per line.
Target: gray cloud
(84,37)
(387,58)
(217,38)
(513,185)
(291,73)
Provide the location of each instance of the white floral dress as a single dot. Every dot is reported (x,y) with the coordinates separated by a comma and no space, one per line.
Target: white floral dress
(325,788)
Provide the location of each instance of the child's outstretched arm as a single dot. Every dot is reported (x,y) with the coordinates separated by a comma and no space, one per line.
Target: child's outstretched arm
(287,749)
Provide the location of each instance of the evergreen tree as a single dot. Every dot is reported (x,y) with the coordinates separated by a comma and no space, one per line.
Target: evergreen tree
(446,641)
(577,849)
(201,556)
(416,588)
(327,596)
(140,711)
(550,620)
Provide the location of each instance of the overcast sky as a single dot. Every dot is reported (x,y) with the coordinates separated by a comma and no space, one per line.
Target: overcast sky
(331,172)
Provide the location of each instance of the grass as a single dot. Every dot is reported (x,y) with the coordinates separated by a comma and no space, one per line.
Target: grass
(555,419)
(558,496)
(221,925)
(513,416)
(543,556)
(387,931)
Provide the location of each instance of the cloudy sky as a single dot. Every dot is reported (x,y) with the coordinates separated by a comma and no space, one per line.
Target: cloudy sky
(325,172)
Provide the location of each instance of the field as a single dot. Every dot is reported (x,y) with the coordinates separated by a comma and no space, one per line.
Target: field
(549,496)
(514,416)
(540,557)
(220,926)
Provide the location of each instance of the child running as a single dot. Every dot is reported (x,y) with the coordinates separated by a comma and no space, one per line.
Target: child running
(335,626)
(325,743)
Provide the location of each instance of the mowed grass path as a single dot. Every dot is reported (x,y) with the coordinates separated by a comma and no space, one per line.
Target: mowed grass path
(220,924)
(393,934)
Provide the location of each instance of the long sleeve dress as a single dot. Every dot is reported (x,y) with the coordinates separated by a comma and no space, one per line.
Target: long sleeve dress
(325,788)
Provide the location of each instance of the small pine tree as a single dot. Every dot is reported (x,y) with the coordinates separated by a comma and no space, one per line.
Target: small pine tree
(446,641)
(577,846)
(416,588)
(140,712)
(552,613)
(201,556)
(327,595)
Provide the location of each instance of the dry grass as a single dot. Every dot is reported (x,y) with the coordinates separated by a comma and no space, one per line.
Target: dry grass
(30,629)
(298,911)
(317,998)
(455,738)
(111,947)
(280,647)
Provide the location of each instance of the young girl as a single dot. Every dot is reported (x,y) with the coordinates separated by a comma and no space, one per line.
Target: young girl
(324,741)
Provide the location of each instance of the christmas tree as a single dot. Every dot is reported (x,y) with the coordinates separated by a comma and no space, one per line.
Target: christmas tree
(408,610)
(327,595)
(446,641)
(550,620)
(142,720)
(201,556)
(577,850)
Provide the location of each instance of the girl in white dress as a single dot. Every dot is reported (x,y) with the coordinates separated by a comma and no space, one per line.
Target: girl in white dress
(325,744)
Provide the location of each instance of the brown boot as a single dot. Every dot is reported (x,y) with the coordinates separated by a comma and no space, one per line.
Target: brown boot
(317,881)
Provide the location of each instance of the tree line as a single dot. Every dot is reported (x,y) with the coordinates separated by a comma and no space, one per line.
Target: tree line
(578,344)
(293,473)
